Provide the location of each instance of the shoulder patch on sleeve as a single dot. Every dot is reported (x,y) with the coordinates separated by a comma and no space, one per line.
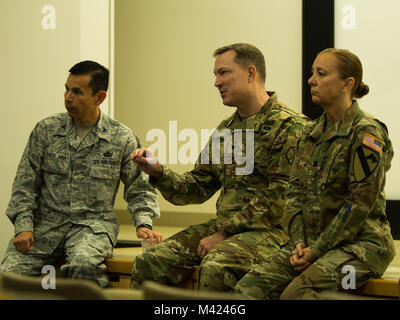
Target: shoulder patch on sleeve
(364,163)
(372,142)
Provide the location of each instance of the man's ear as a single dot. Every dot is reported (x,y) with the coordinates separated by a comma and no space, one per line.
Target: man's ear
(101,96)
(252,73)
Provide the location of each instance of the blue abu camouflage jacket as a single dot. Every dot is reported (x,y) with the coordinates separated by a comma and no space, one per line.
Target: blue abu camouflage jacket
(59,179)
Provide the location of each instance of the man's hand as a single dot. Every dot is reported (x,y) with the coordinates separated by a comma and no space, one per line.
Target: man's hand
(24,241)
(207,243)
(302,257)
(147,162)
(153,236)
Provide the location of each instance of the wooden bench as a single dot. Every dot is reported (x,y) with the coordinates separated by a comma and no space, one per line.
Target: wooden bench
(119,269)
(386,286)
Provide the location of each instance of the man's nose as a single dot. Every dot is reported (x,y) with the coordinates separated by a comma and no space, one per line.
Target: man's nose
(67,96)
(217,82)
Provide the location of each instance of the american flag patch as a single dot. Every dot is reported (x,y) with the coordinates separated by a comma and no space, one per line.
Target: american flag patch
(371,142)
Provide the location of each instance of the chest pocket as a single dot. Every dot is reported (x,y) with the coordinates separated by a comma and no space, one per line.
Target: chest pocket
(105,169)
(335,169)
(56,162)
(104,179)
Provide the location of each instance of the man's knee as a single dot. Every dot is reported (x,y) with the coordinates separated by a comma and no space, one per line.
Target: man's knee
(292,292)
(301,288)
(86,271)
(141,270)
(27,265)
(215,276)
(251,287)
(211,276)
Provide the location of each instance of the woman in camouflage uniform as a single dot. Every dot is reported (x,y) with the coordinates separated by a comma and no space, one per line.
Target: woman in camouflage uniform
(335,205)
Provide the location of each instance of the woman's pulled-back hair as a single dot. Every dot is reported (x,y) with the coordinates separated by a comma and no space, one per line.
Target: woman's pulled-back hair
(349,65)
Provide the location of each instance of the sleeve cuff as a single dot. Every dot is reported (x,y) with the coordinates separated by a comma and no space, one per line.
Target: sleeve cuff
(23,222)
(144,225)
(143,219)
(224,233)
(153,181)
(317,251)
(165,178)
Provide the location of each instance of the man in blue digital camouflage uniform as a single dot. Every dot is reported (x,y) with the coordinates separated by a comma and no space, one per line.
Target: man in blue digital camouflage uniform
(64,190)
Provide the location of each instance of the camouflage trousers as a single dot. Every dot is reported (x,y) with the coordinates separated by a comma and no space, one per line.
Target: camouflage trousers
(174,260)
(276,278)
(83,250)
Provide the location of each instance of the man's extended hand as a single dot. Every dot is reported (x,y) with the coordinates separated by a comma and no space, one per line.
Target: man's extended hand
(24,241)
(147,162)
(207,243)
(146,233)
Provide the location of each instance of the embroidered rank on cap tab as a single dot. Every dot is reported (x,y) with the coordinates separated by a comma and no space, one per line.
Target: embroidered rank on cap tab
(372,142)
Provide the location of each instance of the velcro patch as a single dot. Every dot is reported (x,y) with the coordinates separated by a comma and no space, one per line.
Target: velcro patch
(372,142)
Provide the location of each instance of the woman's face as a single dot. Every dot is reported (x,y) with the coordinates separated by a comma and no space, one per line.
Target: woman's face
(327,88)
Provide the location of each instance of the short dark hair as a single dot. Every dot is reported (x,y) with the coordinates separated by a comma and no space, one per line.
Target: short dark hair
(99,74)
(246,54)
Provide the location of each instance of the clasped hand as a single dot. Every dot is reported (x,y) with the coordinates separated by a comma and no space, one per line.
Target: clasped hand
(302,257)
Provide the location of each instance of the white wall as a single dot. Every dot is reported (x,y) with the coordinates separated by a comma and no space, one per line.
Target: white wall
(36,54)
(371,29)
(164,63)
(164,57)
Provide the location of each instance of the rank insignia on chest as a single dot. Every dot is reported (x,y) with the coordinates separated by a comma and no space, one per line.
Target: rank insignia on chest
(365,162)
(290,154)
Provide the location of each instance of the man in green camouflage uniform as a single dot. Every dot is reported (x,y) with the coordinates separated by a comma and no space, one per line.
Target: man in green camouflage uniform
(334,211)
(249,208)
(65,187)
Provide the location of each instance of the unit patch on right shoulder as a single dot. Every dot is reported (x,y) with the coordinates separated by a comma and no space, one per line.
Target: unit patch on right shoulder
(372,142)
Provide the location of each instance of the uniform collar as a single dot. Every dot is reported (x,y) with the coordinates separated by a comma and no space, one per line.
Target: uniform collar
(65,126)
(102,129)
(341,128)
(258,119)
